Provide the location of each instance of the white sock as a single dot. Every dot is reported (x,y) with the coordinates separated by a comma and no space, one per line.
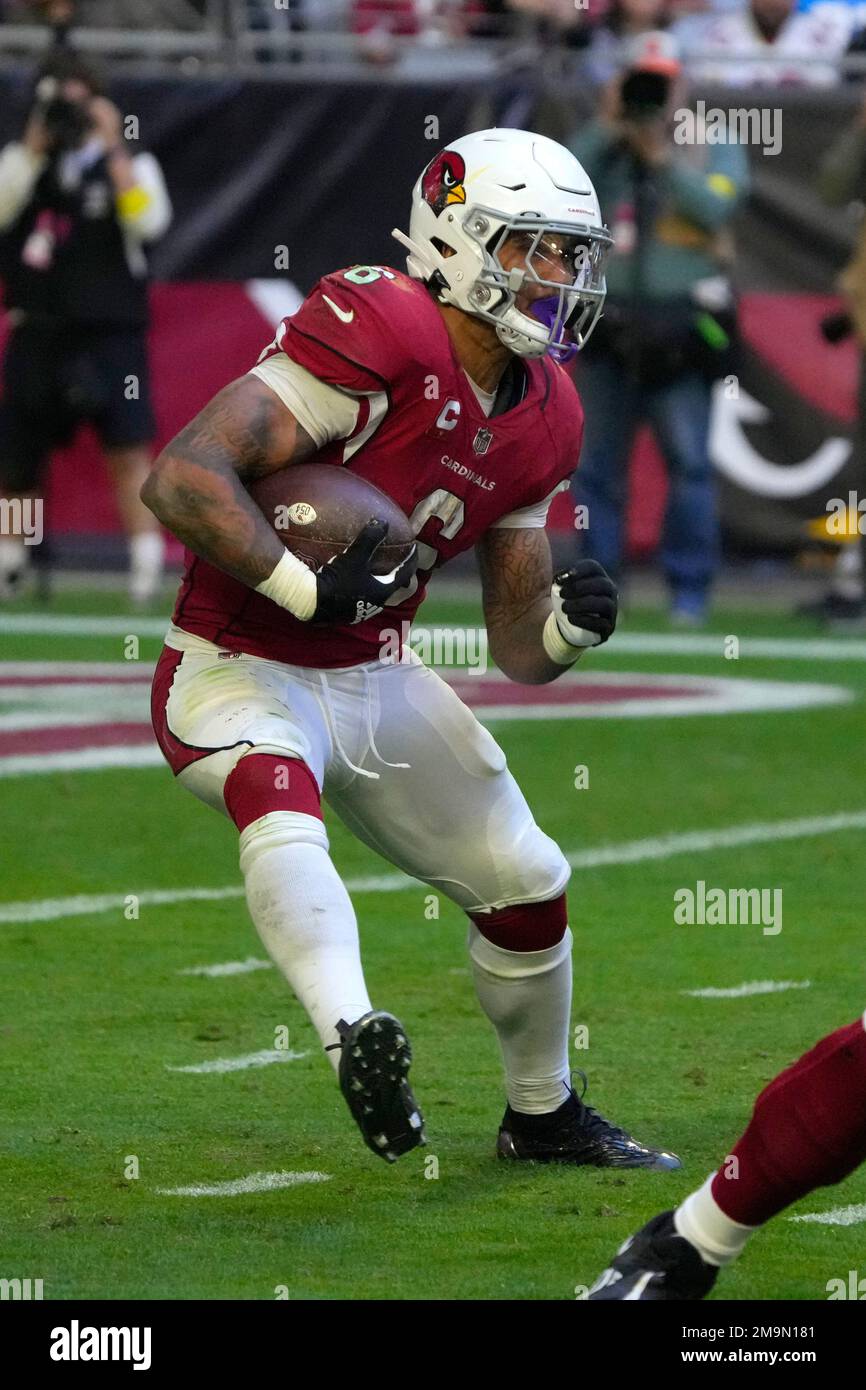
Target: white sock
(305,918)
(13,556)
(527,997)
(701,1221)
(146,557)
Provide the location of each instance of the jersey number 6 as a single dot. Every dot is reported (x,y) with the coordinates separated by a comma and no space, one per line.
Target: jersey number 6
(439,506)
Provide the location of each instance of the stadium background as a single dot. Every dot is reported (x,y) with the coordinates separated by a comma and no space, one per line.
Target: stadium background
(274,159)
(131,981)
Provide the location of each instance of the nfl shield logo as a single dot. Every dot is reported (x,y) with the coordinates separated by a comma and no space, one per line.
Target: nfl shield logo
(482,441)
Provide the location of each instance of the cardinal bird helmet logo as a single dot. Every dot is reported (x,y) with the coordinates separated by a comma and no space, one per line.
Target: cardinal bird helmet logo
(442,180)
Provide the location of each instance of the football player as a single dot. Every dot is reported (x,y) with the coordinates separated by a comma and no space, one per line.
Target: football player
(808,1130)
(443,388)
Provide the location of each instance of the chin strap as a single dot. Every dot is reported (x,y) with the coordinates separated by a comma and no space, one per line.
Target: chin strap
(407,241)
(415,251)
(434,278)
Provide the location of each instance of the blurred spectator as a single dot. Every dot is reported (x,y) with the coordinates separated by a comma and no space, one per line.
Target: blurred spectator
(842,180)
(668,316)
(804,5)
(623,23)
(378,23)
(558,16)
(106,14)
(59,13)
(768,44)
(76,210)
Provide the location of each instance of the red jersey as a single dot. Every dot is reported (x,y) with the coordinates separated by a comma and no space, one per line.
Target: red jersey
(421,435)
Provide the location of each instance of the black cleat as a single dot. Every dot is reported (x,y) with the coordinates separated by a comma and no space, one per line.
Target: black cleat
(575,1133)
(374,1061)
(655,1266)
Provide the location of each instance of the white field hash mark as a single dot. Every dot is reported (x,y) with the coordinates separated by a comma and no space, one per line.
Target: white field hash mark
(750,987)
(228,967)
(256,1182)
(626,852)
(265,1058)
(837,1216)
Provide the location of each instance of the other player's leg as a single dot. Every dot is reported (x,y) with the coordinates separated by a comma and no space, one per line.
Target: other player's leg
(126,424)
(128,468)
(690,545)
(32,421)
(612,404)
(808,1130)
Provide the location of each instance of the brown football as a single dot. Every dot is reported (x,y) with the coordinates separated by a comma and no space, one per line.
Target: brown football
(317,510)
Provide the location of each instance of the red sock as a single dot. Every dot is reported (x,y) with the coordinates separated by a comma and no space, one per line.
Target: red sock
(808,1130)
(264,782)
(526,927)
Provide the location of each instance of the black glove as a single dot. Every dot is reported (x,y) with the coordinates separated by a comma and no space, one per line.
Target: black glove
(585,599)
(348,591)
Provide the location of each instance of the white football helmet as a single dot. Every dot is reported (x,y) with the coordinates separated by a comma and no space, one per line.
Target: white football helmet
(485,188)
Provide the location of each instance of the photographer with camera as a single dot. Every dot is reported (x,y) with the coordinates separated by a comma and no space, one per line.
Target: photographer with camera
(669,318)
(77,209)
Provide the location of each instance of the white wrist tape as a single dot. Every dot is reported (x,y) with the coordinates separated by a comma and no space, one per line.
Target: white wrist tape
(292,585)
(565,651)
(569,634)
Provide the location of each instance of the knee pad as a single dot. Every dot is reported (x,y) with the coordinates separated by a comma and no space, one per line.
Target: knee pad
(273,801)
(525,927)
(261,783)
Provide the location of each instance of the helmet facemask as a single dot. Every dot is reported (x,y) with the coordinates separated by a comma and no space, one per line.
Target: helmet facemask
(559,322)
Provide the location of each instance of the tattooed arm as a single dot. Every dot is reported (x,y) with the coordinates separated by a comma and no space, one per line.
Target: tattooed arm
(538,626)
(196,485)
(516,575)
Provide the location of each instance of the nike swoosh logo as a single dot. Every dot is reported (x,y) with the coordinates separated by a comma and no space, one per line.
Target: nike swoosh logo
(345,314)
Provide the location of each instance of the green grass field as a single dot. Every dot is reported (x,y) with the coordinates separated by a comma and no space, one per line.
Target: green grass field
(93,1010)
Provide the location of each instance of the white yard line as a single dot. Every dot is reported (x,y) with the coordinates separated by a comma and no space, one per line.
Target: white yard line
(751,987)
(701,841)
(713,644)
(626,852)
(740,696)
(126,672)
(265,1058)
(643,643)
(229,967)
(83,904)
(82,760)
(837,1216)
(69,625)
(256,1182)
